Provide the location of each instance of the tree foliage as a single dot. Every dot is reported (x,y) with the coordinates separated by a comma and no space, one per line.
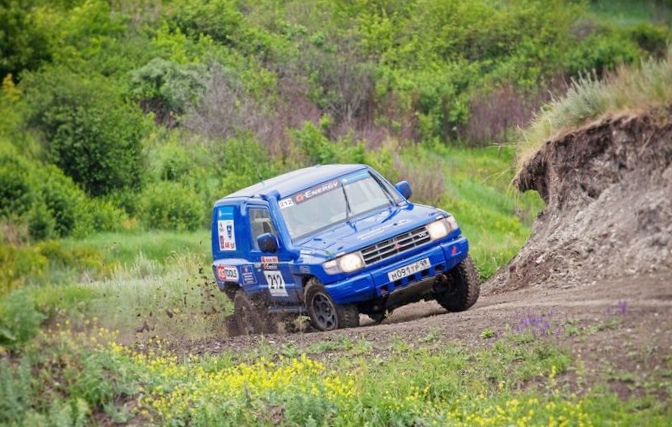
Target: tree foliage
(89,130)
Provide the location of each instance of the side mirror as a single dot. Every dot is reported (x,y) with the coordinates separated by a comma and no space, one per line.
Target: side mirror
(267,243)
(405,189)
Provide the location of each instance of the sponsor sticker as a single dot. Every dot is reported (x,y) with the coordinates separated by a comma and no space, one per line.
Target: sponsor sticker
(315,191)
(276,284)
(248,275)
(227,235)
(227,273)
(269,262)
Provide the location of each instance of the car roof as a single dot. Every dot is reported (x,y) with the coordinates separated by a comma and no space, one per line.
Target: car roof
(292,182)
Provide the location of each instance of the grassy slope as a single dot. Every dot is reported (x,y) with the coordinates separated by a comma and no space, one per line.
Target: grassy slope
(628,91)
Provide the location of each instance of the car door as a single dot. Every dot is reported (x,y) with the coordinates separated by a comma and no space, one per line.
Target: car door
(270,269)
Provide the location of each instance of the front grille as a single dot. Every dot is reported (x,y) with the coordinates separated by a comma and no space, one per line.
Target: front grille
(396,245)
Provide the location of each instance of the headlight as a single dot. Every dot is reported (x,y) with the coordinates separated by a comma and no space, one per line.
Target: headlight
(344,264)
(441,228)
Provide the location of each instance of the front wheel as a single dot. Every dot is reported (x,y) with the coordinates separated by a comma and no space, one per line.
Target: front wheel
(246,315)
(464,287)
(325,314)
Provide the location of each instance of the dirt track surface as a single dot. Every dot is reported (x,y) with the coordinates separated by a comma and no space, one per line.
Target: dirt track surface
(618,328)
(642,304)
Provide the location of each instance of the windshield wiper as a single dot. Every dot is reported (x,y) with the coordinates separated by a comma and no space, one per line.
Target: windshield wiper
(347,207)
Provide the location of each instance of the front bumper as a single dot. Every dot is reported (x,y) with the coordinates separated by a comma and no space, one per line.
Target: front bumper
(374,284)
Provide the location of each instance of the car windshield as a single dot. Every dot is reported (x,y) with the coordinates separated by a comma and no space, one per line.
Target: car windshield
(332,202)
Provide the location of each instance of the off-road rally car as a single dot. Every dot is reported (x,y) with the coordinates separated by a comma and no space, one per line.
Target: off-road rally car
(332,242)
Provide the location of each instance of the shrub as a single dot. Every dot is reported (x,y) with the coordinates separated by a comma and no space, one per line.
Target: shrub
(90,132)
(241,162)
(16,188)
(171,161)
(16,391)
(22,43)
(651,38)
(602,52)
(65,202)
(78,258)
(19,264)
(19,319)
(167,89)
(316,146)
(41,223)
(105,215)
(171,206)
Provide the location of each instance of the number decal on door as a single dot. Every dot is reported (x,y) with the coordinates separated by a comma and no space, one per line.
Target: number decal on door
(276,284)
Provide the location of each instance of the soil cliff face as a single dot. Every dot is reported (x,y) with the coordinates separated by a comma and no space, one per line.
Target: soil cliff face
(608,194)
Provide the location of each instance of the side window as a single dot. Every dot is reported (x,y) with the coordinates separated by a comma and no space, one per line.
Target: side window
(260,223)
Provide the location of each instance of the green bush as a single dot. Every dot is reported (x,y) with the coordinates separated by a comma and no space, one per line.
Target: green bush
(18,265)
(78,258)
(16,391)
(171,206)
(167,89)
(22,43)
(221,21)
(49,202)
(65,202)
(90,131)
(16,188)
(317,148)
(653,39)
(19,319)
(602,52)
(41,223)
(172,162)
(240,162)
(106,215)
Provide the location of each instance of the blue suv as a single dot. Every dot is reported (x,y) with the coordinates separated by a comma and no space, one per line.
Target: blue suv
(334,241)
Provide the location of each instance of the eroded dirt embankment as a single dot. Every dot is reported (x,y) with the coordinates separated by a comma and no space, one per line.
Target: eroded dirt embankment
(608,194)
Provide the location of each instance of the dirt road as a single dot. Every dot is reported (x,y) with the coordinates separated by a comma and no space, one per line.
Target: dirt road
(638,310)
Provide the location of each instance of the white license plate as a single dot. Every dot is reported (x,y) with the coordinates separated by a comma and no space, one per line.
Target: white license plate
(409,269)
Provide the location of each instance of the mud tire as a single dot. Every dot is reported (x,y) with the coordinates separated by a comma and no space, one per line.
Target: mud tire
(247,315)
(377,317)
(325,314)
(465,287)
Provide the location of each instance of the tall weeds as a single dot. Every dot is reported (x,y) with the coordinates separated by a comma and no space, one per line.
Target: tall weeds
(628,90)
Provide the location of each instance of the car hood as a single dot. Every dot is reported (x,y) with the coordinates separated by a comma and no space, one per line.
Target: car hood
(364,231)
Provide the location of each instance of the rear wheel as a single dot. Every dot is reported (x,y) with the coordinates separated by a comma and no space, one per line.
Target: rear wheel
(325,314)
(464,287)
(246,315)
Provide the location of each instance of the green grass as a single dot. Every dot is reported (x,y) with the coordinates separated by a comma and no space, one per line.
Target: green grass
(86,375)
(174,299)
(124,248)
